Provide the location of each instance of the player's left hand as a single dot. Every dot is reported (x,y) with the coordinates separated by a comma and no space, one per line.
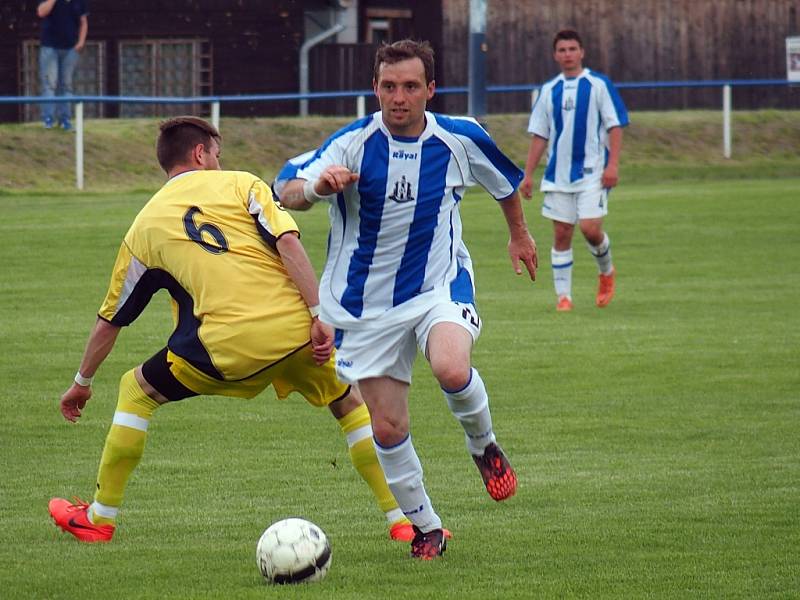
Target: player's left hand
(73,401)
(321,341)
(523,248)
(610,177)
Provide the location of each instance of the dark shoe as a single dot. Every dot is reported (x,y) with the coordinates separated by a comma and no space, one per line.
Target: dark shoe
(66,125)
(427,546)
(48,123)
(498,476)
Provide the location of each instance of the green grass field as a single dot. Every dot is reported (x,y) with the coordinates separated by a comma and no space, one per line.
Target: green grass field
(657,441)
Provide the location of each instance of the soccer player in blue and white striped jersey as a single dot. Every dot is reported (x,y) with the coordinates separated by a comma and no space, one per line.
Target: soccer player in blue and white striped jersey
(398,275)
(578,118)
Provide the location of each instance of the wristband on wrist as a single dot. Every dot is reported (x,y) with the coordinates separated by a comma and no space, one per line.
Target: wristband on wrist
(310,194)
(314,310)
(83,381)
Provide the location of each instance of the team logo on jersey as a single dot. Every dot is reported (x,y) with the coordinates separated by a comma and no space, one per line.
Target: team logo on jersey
(569,104)
(402,191)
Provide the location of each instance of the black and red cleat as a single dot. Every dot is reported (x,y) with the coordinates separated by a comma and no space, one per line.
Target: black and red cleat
(498,476)
(72,517)
(429,545)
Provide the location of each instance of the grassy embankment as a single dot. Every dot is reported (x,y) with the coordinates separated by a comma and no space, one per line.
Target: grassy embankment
(659,147)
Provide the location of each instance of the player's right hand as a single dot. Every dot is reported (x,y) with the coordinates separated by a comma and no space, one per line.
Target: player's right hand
(334,180)
(321,341)
(526,188)
(73,401)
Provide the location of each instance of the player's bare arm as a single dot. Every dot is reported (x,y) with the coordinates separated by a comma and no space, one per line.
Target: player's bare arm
(535,151)
(300,194)
(301,272)
(292,196)
(521,245)
(611,172)
(98,347)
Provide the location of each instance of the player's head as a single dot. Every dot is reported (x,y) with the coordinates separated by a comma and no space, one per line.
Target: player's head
(389,54)
(568,51)
(188,142)
(403,80)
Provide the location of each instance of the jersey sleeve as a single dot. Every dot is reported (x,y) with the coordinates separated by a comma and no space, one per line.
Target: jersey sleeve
(271,219)
(488,166)
(289,171)
(612,109)
(329,155)
(130,290)
(539,123)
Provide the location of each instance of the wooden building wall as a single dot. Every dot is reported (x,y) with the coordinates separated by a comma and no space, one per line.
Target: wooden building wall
(335,67)
(632,41)
(255,43)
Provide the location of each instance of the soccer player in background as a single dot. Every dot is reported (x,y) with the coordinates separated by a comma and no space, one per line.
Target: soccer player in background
(246,302)
(398,276)
(578,117)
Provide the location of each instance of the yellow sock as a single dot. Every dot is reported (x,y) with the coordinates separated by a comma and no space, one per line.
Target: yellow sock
(123,450)
(356,426)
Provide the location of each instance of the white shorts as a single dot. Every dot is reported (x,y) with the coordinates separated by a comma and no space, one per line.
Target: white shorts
(573,207)
(391,351)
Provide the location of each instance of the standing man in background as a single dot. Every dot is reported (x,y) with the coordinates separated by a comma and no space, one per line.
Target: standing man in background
(65,24)
(578,118)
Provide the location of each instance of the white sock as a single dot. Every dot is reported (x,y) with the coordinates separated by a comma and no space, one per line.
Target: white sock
(602,254)
(561,260)
(404,475)
(101,510)
(470,406)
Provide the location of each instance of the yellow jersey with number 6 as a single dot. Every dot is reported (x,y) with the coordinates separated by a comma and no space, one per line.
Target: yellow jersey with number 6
(209,239)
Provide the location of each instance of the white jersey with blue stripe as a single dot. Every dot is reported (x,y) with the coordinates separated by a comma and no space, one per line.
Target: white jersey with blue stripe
(574,114)
(395,242)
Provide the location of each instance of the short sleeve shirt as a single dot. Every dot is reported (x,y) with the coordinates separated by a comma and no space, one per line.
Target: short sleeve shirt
(61,27)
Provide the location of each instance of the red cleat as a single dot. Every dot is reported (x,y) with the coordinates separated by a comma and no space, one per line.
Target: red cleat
(72,517)
(404,532)
(605,288)
(498,476)
(564,304)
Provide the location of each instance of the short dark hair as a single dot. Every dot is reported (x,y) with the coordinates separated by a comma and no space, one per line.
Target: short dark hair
(178,136)
(405,50)
(567,34)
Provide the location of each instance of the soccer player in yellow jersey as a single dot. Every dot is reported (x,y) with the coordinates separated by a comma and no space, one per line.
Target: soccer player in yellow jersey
(246,307)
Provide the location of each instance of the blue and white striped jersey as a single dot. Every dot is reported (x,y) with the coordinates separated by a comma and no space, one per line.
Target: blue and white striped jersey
(574,115)
(395,241)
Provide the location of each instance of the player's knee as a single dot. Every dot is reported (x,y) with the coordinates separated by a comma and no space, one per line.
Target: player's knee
(452,376)
(389,432)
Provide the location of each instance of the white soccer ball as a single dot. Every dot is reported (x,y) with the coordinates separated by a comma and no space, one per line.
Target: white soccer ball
(293,551)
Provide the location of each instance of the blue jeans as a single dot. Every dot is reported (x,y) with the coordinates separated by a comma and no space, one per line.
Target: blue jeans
(56,67)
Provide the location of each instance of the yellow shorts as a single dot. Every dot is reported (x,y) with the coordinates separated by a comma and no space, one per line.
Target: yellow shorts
(296,372)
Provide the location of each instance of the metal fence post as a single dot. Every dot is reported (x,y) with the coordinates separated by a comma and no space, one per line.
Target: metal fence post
(215,114)
(361,106)
(79,145)
(726,120)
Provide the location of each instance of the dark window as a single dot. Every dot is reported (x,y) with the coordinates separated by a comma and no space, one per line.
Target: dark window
(164,68)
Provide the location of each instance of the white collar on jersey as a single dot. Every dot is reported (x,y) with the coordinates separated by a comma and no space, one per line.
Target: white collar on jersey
(430,123)
(578,76)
